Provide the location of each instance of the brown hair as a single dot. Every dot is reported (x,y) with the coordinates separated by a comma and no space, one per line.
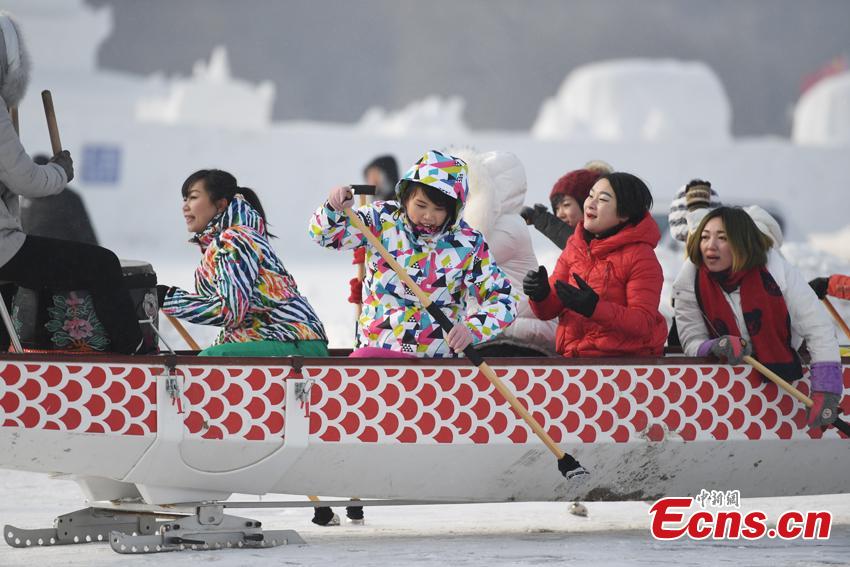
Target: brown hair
(749,244)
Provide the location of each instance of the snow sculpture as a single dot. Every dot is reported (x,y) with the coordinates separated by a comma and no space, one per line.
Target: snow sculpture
(431,116)
(638,100)
(211,97)
(822,115)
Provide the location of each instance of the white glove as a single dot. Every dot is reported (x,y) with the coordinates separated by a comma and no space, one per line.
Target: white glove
(341,198)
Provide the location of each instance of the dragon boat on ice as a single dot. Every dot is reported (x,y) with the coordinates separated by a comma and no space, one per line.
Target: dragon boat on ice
(147,435)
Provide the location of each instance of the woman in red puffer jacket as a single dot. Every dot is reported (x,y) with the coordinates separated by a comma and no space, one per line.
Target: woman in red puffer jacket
(607,283)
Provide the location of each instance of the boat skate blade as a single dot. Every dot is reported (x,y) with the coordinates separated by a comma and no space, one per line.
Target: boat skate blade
(88,525)
(189,533)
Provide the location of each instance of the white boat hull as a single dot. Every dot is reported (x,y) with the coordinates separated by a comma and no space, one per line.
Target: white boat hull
(431,430)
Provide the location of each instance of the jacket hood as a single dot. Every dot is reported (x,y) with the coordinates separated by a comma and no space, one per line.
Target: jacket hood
(497,187)
(14,61)
(645,231)
(238,213)
(766,223)
(444,173)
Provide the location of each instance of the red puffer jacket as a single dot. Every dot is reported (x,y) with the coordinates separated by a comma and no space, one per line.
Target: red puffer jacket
(625,272)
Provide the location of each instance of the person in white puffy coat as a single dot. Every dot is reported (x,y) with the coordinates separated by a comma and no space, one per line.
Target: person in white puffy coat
(497,188)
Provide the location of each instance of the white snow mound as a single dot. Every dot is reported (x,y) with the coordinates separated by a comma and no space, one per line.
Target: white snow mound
(431,116)
(638,100)
(822,115)
(211,97)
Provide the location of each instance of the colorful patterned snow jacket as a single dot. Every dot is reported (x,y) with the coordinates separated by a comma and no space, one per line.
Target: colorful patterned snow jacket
(451,266)
(625,272)
(242,285)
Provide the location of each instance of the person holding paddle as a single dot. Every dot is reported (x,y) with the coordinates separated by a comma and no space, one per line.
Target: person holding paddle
(50,263)
(426,233)
(737,295)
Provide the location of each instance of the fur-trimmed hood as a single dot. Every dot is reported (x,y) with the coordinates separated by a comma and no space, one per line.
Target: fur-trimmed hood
(14,61)
(497,186)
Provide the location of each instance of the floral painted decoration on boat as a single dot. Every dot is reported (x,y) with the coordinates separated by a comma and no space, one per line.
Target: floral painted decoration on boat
(74,325)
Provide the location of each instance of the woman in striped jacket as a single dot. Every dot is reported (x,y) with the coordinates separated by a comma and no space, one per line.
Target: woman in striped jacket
(241,284)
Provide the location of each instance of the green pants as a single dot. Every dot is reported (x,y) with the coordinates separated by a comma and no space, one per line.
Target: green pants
(268,348)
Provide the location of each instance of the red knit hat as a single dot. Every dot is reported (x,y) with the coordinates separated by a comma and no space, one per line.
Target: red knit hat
(575,184)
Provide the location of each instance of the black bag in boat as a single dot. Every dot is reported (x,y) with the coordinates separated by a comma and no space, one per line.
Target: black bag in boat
(50,319)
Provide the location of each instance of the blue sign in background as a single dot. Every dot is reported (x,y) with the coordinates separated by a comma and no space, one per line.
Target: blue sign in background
(101,164)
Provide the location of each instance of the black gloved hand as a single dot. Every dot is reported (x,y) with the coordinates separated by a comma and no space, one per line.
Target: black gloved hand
(581,299)
(531,214)
(63,160)
(820,286)
(161,292)
(536,284)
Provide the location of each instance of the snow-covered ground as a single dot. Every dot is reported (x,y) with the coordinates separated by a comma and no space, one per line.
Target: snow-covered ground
(485,535)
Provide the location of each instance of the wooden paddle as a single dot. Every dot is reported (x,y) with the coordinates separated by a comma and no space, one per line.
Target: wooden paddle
(13,113)
(361,267)
(831,308)
(183,333)
(839,423)
(567,465)
(52,126)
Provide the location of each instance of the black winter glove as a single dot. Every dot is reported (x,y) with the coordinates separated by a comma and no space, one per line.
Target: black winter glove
(820,286)
(536,284)
(581,299)
(527,214)
(531,214)
(63,160)
(161,292)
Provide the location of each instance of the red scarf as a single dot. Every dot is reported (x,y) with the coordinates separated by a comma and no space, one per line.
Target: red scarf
(765,314)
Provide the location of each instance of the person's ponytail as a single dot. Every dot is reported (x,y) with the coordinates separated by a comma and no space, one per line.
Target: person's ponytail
(254,201)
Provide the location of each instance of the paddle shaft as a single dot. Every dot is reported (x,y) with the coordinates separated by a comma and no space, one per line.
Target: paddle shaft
(183,333)
(52,127)
(447,325)
(361,267)
(831,308)
(839,423)
(13,113)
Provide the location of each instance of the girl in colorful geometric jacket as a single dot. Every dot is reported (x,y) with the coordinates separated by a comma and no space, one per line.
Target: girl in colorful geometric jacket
(241,284)
(450,261)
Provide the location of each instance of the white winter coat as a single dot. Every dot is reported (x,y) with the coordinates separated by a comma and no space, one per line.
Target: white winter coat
(497,187)
(809,320)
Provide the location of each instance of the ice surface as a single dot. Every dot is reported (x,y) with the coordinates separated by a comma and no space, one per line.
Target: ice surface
(473,535)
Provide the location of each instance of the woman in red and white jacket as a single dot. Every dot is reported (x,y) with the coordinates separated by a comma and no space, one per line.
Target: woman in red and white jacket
(737,295)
